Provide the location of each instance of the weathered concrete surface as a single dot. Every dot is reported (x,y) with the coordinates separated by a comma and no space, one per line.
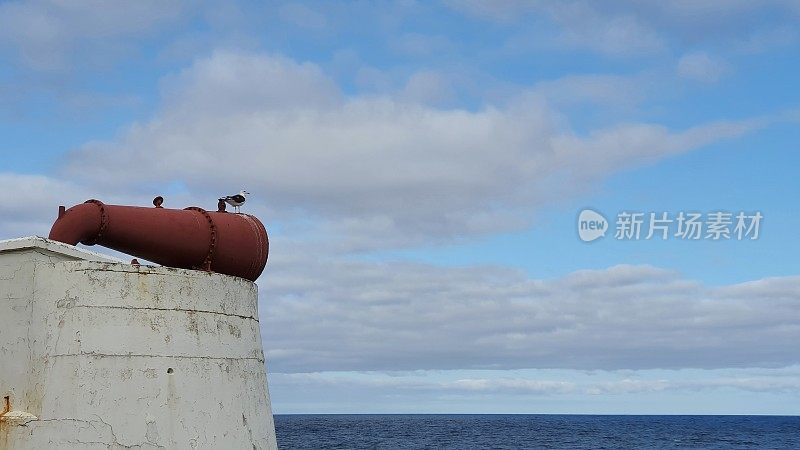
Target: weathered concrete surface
(107,355)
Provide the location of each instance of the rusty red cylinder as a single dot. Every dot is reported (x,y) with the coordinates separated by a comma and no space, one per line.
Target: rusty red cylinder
(191,238)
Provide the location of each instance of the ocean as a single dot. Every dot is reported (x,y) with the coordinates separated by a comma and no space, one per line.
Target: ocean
(446,431)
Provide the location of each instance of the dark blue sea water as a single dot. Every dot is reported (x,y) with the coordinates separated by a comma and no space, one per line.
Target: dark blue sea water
(536,432)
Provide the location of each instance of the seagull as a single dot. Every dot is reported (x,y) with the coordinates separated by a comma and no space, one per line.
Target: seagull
(235,200)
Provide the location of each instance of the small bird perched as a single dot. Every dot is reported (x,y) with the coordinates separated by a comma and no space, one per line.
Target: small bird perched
(235,200)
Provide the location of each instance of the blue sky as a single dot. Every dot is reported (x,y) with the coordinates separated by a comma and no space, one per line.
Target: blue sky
(421,166)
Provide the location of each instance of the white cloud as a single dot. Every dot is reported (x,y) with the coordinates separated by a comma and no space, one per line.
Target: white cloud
(685,391)
(303,16)
(638,28)
(620,34)
(333,314)
(616,31)
(546,382)
(597,90)
(513,385)
(427,88)
(393,169)
(38,210)
(45,32)
(700,66)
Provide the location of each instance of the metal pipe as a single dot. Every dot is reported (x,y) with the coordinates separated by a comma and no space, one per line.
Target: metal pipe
(191,238)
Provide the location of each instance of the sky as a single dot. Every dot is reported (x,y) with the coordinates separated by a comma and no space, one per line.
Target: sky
(421,167)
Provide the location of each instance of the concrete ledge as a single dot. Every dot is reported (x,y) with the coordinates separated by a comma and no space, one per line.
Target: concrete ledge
(44,245)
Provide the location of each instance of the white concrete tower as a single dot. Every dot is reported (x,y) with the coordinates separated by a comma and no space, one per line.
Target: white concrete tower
(97,354)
